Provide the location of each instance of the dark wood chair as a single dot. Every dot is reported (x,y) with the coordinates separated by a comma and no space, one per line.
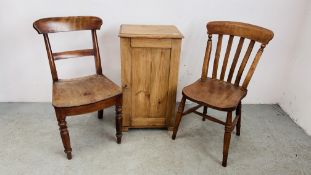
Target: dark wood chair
(217,92)
(79,95)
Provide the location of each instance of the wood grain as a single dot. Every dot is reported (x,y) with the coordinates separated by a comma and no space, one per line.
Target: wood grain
(206,58)
(84,94)
(235,59)
(173,81)
(227,54)
(150,58)
(66,24)
(73,54)
(243,30)
(159,80)
(126,79)
(141,66)
(149,31)
(244,62)
(50,57)
(218,93)
(98,65)
(217,55)
(253,67)
(151,42)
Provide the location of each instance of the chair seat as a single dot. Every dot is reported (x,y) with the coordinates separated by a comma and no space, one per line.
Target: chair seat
(82,91)
(215,94)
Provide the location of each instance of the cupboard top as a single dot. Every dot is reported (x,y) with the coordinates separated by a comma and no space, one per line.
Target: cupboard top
(149,31)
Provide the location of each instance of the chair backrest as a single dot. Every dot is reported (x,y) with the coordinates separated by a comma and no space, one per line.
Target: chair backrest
(243,31)
(65,24)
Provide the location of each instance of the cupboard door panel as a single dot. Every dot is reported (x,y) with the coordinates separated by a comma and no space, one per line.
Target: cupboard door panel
(160,67)
(150,75)
(141,66)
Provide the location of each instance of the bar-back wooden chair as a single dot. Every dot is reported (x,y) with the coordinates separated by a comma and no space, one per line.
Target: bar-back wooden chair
(84,94)
(217,92)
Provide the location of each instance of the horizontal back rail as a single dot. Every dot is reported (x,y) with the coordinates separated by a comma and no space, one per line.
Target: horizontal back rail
(73,54)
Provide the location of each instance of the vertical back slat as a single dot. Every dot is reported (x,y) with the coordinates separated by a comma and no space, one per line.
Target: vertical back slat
(96,53)
(253,67)
(50,57)
(217,55)
(235,59)
(224,64)
(207,58)
(244,62)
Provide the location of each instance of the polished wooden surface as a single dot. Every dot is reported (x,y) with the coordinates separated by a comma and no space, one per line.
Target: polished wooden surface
(216,91)
(149,63)
(149,31)
(83,90)
(240,29)
(73,54)
(79,95)
(65,24)
(215,94)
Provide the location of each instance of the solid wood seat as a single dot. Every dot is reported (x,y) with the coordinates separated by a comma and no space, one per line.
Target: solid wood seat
(83,90)
(215,93)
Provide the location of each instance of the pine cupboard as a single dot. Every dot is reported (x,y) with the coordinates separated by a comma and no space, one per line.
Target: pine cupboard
(149,70)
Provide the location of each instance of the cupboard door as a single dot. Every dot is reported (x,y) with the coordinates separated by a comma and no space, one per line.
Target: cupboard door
(150,78)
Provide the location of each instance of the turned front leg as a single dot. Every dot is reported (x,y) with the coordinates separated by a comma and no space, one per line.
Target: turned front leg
(64,133)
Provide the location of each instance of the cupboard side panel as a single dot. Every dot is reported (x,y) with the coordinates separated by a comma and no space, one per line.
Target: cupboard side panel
(126,70)
(173,80)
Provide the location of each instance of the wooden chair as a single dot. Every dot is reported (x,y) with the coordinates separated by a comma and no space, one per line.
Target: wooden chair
(217,92)
(79,95)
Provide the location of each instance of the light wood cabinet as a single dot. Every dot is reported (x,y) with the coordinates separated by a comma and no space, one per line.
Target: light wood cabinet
(149,64)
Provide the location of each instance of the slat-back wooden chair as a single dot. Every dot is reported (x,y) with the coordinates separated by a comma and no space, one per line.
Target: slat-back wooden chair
(217,92)
(84,94)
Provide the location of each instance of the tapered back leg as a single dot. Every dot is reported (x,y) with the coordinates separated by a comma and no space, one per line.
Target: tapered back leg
(179,116)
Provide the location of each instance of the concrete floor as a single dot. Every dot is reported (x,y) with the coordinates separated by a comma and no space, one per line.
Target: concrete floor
(270,143)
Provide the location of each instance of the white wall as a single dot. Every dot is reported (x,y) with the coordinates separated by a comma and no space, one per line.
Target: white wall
(296,97)
(24,70)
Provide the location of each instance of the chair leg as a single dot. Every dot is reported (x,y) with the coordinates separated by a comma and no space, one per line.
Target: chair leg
(100,114)
(204,112)
(179,116)
(227,137)
(64,133)
(119,120)
(239,113)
